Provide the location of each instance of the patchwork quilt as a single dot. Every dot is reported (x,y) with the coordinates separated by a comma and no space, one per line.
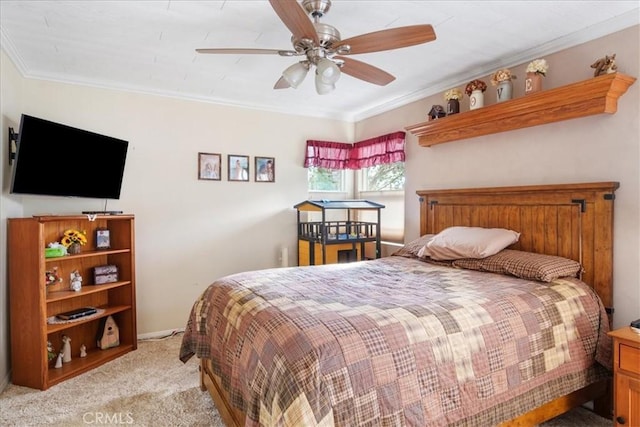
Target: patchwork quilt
(395,342)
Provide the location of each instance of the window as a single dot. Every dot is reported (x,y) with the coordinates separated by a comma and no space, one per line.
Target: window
(388,177)
(379,163)
(322,179)
(385,184)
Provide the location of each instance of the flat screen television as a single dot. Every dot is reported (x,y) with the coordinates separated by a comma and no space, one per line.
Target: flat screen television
(53,159)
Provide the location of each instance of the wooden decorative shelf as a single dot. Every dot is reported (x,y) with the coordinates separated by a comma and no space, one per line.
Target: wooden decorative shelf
(85,254)
(108,311)
(94,359)
(593,96)
(86,290)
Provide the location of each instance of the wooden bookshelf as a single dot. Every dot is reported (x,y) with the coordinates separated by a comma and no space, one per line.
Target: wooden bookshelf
(32,303)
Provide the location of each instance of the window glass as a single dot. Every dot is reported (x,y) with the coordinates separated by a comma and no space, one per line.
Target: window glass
(385,184)
(382,183)
(321,179)
(388,177)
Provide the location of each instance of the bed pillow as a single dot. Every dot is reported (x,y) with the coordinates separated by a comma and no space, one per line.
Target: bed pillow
(526,265)
(469,242)
(411,249)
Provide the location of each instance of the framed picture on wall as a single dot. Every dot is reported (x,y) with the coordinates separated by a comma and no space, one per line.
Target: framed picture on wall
(238,167)
(265,169)
(209,166)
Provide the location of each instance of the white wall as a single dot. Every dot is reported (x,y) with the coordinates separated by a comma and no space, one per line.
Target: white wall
(592,149)
(10,86)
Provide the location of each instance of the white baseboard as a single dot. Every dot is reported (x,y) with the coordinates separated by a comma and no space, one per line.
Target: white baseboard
(159,334)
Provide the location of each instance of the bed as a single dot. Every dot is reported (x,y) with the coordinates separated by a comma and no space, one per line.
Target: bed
(408,340)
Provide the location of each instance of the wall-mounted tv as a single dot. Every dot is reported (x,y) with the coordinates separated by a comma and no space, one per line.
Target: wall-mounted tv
(58,160)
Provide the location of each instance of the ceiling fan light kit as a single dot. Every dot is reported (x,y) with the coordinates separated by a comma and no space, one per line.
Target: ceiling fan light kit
(327,71)
(295,74)
(327,74)
(324,88)
(321,44)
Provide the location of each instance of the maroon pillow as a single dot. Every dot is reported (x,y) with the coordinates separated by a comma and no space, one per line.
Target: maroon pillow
(411,249)
(526,265)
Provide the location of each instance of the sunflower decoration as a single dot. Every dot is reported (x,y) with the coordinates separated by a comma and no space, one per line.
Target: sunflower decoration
(73,236)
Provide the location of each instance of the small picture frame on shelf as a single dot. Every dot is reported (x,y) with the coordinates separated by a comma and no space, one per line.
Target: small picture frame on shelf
(265,169)
(209,166)
(103,239)
(238,168)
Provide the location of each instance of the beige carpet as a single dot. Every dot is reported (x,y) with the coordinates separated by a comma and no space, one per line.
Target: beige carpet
(147,387)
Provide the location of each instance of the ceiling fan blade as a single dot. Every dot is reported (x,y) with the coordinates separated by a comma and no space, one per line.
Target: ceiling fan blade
(295,18)
(392,38)
(366,72)
(249,51)
(281,84)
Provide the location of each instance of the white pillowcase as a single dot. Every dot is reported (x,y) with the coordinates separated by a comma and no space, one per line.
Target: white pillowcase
(468,242)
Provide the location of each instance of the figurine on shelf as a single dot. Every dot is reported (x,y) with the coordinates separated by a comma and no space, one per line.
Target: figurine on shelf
(59,361)
(83,350)
(436,112)
(76,281)
(606,65)
(108,333)
(66,349)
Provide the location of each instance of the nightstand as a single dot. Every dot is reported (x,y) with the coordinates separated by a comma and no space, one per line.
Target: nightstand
(626,381)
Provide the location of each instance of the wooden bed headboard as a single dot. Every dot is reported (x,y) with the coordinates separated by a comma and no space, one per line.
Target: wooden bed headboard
(570,220)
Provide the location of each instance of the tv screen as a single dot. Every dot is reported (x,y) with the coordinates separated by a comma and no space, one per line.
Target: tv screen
(57,160)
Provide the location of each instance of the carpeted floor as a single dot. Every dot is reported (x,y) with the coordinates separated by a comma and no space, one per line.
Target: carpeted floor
(147,387)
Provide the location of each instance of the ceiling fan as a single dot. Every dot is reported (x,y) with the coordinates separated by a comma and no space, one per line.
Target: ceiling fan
(323,48)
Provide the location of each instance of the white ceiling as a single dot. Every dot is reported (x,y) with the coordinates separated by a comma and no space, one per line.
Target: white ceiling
(149,46)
